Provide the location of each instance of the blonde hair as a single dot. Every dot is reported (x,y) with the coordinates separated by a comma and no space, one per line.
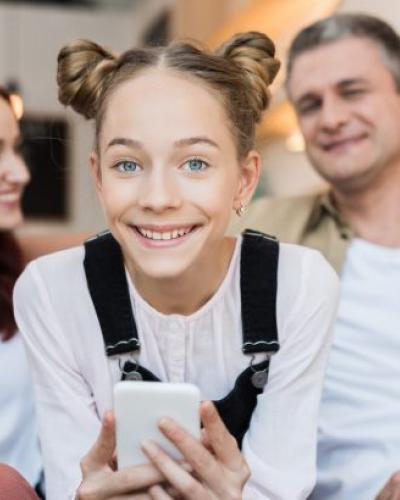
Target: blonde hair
(240,71)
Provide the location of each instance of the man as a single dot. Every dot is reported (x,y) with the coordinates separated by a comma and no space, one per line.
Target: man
(344,82)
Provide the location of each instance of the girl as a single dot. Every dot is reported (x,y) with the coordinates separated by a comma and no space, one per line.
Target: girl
(167,296)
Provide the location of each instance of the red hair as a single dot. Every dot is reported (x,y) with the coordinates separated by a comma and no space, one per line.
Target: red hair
(5,95)
(11,265)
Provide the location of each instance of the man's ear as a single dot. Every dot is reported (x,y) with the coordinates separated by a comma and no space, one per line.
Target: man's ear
(250,171)
(95,171)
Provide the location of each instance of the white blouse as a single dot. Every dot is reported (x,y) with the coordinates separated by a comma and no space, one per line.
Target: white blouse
(74,378)
(19,443)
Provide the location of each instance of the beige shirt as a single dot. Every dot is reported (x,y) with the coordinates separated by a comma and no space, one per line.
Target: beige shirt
(310,220)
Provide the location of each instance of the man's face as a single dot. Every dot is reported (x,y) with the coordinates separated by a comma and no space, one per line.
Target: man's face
(349,111)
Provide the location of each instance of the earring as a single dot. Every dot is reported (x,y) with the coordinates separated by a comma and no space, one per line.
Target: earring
(241,210)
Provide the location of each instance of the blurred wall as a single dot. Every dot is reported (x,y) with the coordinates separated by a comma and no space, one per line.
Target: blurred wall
(200,19)
(388,10)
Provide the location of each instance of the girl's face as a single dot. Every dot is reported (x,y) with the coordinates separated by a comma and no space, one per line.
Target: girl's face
(168,175)
(13,172)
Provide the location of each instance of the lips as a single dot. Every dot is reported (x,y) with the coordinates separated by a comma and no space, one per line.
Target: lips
(340,143)
(10,200)
(9,197)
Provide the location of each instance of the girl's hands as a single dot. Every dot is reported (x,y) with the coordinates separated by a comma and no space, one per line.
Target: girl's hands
(101,480)
(214,468)
(218,469)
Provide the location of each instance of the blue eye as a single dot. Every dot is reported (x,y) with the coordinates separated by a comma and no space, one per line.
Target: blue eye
(195,165)
(127,166)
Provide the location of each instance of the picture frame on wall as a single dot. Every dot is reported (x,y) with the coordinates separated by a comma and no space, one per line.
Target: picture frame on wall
(45,150)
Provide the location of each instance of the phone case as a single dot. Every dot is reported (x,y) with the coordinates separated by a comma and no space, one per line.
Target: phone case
(139,406)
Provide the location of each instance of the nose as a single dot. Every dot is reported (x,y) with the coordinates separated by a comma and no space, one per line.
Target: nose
(14,170)
(160,190)
(334,114)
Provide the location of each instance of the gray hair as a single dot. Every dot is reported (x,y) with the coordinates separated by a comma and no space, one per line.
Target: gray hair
(341,26)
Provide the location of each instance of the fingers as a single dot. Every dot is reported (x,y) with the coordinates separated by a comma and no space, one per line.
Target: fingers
(130,479)
(102,451)
(210,474)
(179,478)
(199,457)
(391,490)
(218,438)
(123,483)
(136,496)
(158,493)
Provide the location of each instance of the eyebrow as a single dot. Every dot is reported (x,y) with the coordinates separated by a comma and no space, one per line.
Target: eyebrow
(195,140)
(189,141)
(123,141)
(348,82)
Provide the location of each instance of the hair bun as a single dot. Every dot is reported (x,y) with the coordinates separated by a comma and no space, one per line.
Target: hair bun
(84,68)
(254,52)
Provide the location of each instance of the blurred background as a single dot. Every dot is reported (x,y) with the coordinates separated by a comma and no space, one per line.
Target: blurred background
(58,142)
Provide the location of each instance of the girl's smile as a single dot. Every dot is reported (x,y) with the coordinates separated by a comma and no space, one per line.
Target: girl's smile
(163,236)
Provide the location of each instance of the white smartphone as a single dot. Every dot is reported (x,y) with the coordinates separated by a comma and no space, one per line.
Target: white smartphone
(138,407)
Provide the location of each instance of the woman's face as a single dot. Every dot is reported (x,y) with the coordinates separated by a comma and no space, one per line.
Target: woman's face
(168,175)
(13,172)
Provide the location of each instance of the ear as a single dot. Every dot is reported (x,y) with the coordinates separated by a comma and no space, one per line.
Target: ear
(95,172)
(250,170)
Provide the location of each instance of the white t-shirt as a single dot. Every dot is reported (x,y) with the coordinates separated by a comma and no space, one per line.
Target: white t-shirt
(19,445)
(74,378)
(359,441)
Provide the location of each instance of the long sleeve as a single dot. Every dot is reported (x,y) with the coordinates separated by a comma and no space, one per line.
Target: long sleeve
(68,422)
(280,445)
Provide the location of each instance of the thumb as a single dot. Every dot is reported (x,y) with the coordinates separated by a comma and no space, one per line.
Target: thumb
(102,452)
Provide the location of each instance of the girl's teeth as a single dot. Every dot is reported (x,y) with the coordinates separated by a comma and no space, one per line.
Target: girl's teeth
(167,235)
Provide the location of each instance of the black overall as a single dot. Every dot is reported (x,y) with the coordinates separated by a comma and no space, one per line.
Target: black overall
(108,287)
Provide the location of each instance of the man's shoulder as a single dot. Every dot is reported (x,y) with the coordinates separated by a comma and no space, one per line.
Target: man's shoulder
(264,206)
(285,218)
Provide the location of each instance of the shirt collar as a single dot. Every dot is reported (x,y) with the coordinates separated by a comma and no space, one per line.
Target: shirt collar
(324,206)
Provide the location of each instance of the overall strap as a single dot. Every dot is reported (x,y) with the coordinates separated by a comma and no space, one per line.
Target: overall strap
(108,287)
(258,285)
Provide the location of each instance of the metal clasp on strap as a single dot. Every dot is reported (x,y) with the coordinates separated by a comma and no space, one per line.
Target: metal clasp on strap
(133,374)
(260,377)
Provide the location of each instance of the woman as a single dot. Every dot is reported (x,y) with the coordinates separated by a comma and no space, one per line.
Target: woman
(174,155)
(19,445)
(18,436)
